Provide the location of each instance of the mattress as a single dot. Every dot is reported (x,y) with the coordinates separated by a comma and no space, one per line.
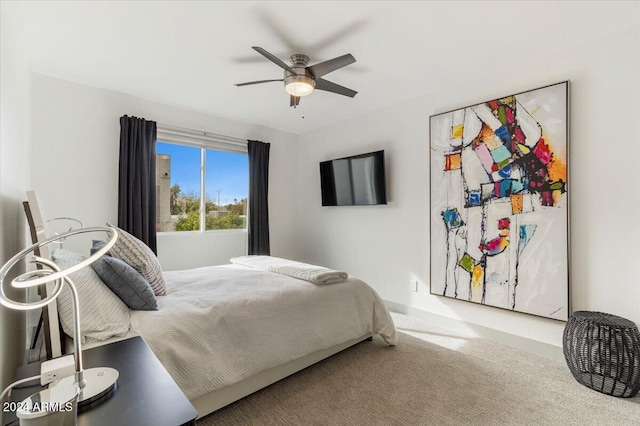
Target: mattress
(219,325)
(68,341)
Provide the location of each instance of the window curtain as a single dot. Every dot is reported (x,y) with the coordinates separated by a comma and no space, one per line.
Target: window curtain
(258,191)
(137,179)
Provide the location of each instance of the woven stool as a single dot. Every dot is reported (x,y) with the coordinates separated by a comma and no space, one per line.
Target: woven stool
(603,352)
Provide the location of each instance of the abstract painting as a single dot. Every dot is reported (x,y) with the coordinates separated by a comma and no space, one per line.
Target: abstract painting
(499,203)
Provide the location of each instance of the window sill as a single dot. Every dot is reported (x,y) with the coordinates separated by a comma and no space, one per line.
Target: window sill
(195,234)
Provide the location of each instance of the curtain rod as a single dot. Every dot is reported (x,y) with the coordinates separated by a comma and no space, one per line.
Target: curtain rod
(199,134)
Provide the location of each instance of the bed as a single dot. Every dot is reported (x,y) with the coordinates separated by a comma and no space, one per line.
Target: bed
(224,332)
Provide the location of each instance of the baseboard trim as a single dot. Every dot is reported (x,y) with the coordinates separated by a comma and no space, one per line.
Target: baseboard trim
(533,346)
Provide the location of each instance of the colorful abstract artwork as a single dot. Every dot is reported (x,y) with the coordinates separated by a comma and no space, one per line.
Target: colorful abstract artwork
(499,203)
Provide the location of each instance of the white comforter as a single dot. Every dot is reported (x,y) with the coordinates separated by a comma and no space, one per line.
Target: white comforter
(219,325)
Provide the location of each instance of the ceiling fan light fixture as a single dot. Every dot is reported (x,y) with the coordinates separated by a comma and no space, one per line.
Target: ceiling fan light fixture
(299,85)
(301,80)
(299,88)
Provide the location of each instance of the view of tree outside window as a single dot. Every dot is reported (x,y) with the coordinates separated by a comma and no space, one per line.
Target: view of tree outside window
(226,183)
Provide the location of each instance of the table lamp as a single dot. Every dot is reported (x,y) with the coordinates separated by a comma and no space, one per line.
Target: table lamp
(93,382)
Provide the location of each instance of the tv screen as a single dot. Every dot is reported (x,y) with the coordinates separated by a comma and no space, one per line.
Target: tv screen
(354,181)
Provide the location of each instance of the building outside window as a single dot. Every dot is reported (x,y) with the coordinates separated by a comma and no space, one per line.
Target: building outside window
(200,188)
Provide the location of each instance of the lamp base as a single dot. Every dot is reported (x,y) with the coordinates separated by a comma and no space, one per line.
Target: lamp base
(100,381)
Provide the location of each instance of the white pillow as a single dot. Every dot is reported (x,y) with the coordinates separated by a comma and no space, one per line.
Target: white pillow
(140,257)
(102,313)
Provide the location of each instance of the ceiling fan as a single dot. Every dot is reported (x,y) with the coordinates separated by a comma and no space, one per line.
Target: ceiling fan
(301,80)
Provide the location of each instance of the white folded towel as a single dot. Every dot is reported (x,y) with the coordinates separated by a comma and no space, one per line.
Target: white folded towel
(304,271)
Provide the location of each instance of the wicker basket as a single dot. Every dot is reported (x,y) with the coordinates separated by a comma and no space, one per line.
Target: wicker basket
(603,352)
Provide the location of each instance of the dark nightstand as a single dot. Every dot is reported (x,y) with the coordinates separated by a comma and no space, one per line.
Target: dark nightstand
(145,394)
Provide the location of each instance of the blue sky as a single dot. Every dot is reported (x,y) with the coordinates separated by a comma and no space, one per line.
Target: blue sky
(226,171)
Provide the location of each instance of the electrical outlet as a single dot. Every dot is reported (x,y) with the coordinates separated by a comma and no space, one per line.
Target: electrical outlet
(56,369)
(414,286)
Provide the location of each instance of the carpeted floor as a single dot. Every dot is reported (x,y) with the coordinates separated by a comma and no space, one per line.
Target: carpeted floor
(434,376)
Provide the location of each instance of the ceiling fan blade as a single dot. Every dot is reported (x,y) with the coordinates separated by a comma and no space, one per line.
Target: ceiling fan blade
(256,82)
(322,84)
(337,36)
(318,70)
(294,101)
(273,59)
(283,29)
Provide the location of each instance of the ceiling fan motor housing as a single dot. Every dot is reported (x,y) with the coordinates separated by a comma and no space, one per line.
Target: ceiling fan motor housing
(298,64)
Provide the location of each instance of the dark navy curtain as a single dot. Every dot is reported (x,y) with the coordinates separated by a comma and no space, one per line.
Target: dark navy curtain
(137,179)
(258,194)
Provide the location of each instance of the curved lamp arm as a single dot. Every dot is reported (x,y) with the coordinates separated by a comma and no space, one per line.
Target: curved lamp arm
(72,219)
(19,282)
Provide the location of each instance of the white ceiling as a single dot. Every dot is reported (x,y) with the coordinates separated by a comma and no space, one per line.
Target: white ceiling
(191,53)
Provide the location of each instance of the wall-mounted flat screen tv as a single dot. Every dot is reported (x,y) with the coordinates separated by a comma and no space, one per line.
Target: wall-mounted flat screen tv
(354,181)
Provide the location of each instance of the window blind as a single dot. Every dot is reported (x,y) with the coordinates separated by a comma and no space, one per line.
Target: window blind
(201,139)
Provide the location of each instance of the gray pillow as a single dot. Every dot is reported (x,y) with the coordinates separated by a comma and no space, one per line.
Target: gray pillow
(97,245)
(126,283)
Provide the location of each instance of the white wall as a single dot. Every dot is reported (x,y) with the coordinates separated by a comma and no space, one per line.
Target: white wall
(76,132)
(14,171)
(388,246)
(214,248)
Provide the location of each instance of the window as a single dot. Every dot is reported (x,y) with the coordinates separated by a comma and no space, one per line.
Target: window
(200,188)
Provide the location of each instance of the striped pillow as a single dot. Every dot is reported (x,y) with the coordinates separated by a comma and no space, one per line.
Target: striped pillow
(139,256)
(102,313)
